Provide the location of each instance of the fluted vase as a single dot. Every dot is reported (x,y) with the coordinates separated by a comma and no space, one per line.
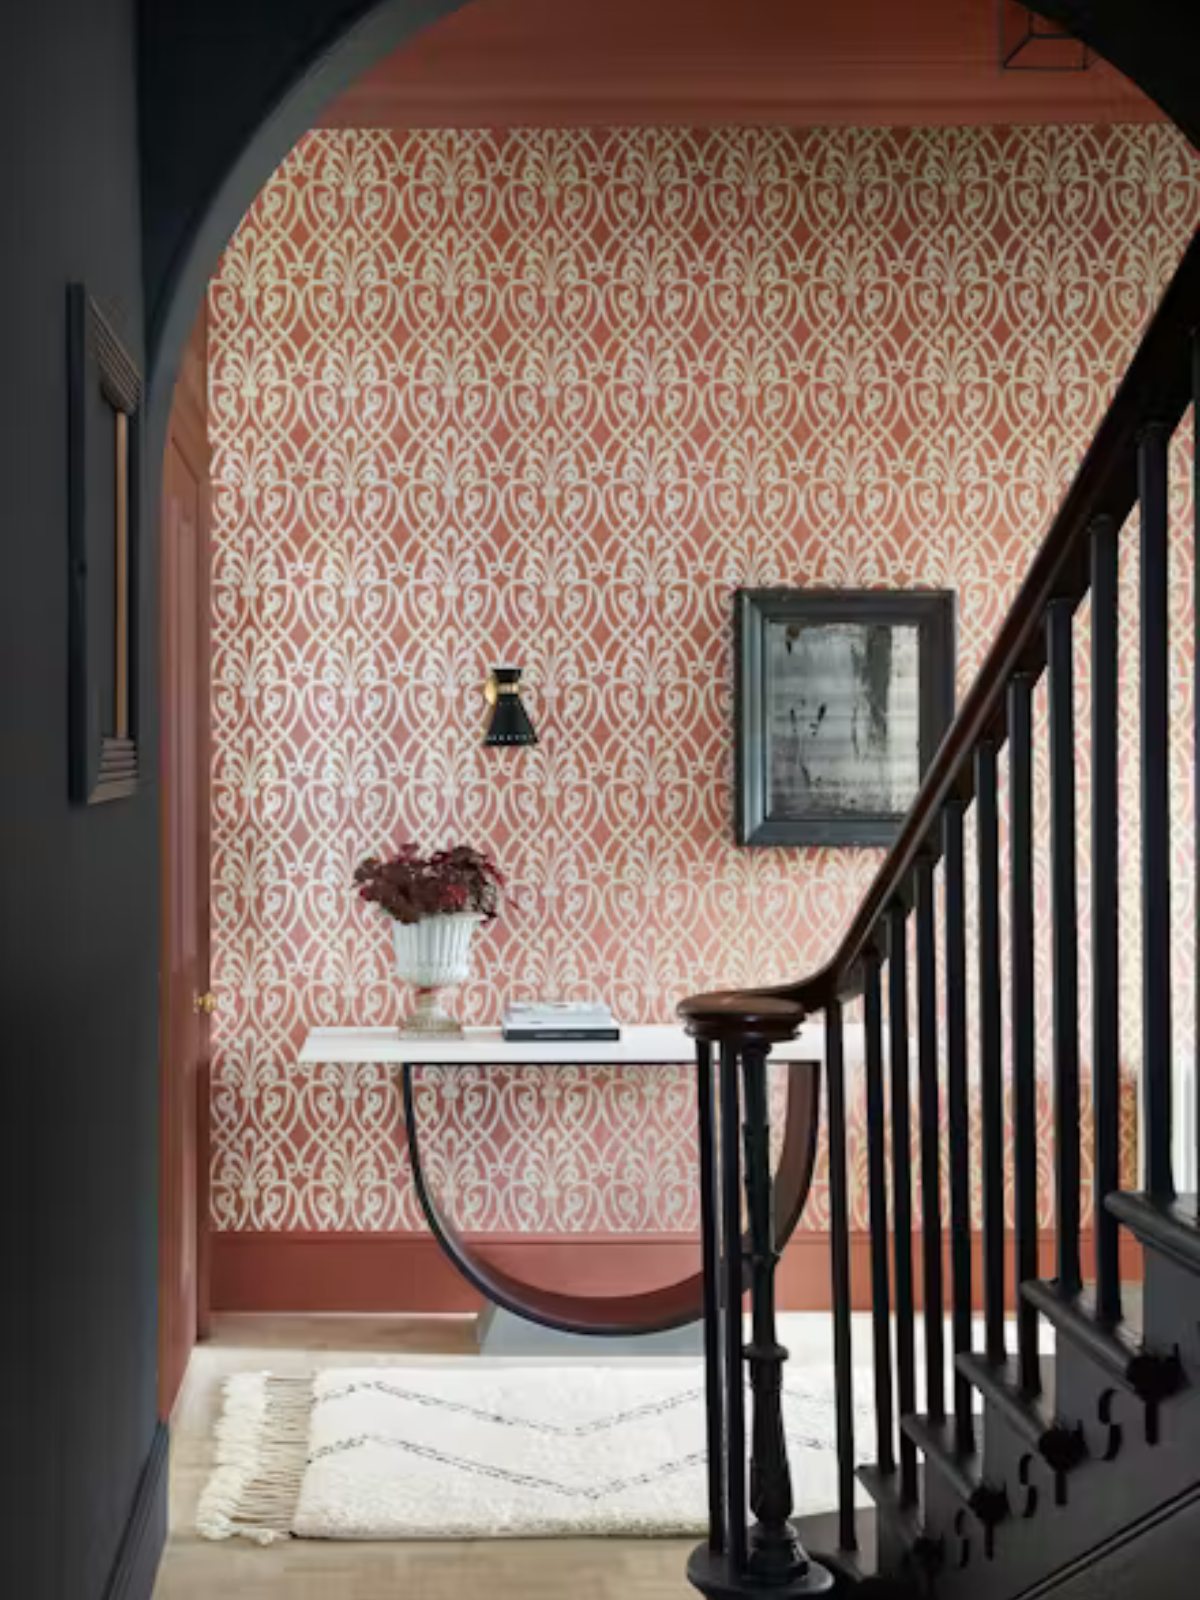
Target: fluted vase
(433,955)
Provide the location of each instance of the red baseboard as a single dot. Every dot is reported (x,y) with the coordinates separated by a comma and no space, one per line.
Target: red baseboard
(381,1272)
(407,1272)
(395,1272)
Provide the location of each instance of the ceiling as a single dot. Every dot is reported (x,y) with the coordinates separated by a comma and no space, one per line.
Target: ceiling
(544,63)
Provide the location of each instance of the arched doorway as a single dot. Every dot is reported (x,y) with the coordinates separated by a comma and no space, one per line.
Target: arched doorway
(298,58)
(336,66)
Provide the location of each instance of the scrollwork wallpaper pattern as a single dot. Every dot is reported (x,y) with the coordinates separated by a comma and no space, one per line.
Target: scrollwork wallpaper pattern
(546,399)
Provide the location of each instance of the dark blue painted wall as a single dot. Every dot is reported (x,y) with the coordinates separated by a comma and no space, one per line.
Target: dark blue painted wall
(78,889)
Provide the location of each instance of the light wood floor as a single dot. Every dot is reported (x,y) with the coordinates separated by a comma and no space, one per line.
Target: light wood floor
(302,1569)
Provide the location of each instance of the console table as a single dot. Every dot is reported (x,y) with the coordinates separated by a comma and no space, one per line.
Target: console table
(655,1312)
(746,1217)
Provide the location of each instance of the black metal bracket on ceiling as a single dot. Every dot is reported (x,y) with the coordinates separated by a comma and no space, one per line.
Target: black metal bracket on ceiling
(1028,43)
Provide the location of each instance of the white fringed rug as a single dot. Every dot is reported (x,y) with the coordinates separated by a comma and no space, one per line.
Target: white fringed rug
(468,1452)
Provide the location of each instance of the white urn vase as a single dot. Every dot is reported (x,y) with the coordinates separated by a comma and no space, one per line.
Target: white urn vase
(434,954)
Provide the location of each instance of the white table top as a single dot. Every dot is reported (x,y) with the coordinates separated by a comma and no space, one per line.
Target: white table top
(642,1044)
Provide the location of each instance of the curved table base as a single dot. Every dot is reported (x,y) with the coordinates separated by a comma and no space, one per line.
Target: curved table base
(651,1311)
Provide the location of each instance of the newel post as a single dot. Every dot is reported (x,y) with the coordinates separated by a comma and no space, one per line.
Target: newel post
(767,1557)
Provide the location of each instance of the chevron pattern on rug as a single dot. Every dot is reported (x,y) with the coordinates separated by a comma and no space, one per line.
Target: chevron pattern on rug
(463,1451)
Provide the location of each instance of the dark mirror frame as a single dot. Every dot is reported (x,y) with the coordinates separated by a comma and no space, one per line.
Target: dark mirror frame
(931,610)
(103,749)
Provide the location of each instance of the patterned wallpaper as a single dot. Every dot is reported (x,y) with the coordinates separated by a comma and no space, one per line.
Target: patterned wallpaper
(546,399)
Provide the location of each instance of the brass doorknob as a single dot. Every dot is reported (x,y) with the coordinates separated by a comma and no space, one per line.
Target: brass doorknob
(207,1003)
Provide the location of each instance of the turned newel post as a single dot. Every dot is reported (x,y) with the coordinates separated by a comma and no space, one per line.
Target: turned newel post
(774,1549)
(766,1558)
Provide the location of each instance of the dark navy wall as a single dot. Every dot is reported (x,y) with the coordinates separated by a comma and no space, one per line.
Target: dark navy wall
(78,887)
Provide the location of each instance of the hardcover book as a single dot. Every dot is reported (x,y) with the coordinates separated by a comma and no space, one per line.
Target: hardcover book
(531,1021)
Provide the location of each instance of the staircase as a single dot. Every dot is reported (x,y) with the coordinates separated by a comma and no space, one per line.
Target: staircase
(1024,1475)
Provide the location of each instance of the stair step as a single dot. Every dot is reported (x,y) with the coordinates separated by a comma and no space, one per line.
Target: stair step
(1032,1418)
(898,1522)
(1171,1226)
(1150,1374)
(963,1472)
(903,1516)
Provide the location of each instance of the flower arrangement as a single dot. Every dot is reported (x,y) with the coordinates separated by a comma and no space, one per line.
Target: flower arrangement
(410,887)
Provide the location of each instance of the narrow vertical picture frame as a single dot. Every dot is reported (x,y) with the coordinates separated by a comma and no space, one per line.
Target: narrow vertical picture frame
(104,391)
(841,698)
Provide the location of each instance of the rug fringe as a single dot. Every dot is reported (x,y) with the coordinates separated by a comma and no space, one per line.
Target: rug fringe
(262,1451)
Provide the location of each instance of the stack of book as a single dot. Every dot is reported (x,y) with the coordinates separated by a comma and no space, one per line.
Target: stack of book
(537,1021)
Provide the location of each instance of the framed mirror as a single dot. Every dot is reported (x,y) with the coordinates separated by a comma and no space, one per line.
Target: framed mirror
(841,699)
(104,391)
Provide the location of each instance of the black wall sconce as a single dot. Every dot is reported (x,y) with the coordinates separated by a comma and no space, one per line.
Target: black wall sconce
(509,723)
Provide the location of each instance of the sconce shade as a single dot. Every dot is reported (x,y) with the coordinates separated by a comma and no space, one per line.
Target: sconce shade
(510,722)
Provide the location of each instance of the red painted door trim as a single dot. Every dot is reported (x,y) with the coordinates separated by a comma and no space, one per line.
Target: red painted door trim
(185,646)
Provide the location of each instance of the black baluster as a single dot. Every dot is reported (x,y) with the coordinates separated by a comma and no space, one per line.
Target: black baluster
(1024,1069)
(958,1117)
(839,1258)
(1156,814)
(987,838)
(1064,942)
(731,1232)
(711,1242)
(877,1210)
(1106,1105)
(931,1134)
(906,1395)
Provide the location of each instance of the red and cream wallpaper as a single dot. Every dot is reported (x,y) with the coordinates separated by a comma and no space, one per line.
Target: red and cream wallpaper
(546,399)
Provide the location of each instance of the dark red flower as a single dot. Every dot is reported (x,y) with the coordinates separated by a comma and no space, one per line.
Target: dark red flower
(409,887)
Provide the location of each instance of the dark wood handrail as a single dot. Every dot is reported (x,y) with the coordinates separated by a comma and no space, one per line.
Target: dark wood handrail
(1155,391)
